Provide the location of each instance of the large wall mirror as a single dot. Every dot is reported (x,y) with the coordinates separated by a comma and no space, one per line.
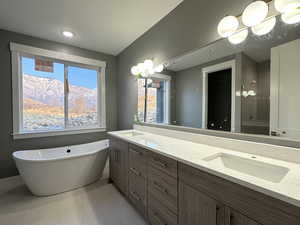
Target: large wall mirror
(251,88)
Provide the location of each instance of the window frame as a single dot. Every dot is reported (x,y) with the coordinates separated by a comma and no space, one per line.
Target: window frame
(17,52)
(167,96)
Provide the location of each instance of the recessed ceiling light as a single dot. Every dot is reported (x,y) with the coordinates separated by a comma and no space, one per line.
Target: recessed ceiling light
(68,34)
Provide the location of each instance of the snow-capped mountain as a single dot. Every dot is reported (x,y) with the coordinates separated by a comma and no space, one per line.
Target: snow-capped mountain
(50,92)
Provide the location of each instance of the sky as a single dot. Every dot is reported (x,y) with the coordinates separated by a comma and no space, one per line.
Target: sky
(77,76)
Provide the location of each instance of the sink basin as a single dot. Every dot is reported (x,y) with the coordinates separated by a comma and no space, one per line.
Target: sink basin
(131,134)
(262,170)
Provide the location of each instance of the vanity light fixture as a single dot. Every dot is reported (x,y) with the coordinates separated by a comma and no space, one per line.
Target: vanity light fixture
(255,13)
(238,37)
(264,27)
(284,6)
(228,26)
(146,68)
(260,17)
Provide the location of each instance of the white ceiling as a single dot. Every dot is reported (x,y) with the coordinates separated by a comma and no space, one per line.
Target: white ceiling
(107,26)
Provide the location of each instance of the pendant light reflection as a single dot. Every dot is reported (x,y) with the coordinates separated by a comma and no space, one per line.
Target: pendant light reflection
(228,26)
(146,68)
(255,13)
(264,27)
(291,17)
(135,70)
(284,6)
(159,68)
(239,37)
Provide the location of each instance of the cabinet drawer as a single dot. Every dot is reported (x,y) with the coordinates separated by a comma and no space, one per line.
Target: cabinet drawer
(163,163)
(159,214)
(164,188)
(138,192)
(137,160)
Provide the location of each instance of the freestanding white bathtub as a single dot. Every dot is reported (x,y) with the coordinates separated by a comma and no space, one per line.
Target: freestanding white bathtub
(56,170)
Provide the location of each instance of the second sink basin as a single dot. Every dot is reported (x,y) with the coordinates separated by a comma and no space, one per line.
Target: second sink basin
(131,134)
(262,170)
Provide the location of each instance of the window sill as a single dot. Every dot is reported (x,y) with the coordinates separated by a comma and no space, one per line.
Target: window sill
(56,133)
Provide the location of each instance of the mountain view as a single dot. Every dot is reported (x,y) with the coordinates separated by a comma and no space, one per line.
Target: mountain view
(43,104)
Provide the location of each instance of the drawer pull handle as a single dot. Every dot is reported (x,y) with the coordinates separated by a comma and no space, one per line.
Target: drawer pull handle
(159,219)
(160,187)
(159,163)
(116,156)
(135,171)
(135,196)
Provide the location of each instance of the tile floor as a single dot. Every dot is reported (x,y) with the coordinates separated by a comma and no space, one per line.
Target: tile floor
(97,204)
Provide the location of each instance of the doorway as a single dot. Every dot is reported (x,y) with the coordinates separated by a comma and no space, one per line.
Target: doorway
(219,100)
(220,103)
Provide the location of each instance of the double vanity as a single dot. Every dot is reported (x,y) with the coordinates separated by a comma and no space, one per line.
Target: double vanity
(171,179)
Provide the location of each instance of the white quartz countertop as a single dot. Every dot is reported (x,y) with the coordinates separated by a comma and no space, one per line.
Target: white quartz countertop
(194,154)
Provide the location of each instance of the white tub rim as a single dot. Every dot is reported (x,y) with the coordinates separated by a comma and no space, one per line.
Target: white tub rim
(105,146)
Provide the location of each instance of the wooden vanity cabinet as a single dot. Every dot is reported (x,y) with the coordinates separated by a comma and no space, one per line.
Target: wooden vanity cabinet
(119,164)
(168,192)
(197,208)
(245,206)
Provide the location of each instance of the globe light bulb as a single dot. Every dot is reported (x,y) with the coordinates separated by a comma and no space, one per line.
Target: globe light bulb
(228,26)
(135,70)
(264,27)
(148,63)
(255,13)
(238,37)
(291,17)
(284,6)
(141,67)
(159,68)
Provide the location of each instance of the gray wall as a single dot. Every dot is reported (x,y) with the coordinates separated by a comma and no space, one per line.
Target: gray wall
(8,145)
(191,25)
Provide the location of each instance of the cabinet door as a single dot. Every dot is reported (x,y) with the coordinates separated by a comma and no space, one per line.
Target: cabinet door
(233,217)
(119,164)
(196,208)
(112,164)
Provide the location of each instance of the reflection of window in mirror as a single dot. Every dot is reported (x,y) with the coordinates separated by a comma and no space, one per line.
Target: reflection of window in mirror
(154,99)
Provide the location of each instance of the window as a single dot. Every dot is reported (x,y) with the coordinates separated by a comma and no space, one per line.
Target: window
(153,99)
(56,93)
